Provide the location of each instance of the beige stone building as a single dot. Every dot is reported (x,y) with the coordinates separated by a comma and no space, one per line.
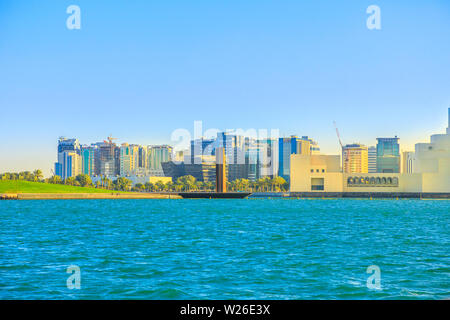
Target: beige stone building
(323,173)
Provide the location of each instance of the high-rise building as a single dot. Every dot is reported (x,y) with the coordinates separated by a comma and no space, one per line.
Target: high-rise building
(68,165)
(201,147)
(129,159)
(268,150)
(179,156)
(247,158)
(388,155)
(355,158)
(69,160)
(158,155)
(253,157)
(407,162)
(372,159)
(65,144)
(292,145)
(313,145)
(88,154)
(108,160)
(234,148)
(143,157)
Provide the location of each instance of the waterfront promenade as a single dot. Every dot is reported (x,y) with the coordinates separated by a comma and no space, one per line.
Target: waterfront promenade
(87,196)
(214,195)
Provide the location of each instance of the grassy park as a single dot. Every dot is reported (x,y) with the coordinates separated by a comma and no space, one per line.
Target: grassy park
(21,186)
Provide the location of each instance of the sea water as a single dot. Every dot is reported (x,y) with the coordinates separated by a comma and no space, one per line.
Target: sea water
(225,249)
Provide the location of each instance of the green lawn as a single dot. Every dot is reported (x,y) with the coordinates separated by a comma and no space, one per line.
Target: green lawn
(19,186)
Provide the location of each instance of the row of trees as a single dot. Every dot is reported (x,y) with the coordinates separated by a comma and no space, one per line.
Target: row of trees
(35,176)
(189,183)
(81,180)
(184,183)
(266,184)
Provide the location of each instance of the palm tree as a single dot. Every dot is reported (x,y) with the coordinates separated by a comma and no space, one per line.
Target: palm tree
(188,182)
(160,185)
(169,186)
(245,183)
(279,182)
(55,179)
(6,176)
(37,175)
(149,187)
(103,180)
(70,181)
(209,186)
(234,185)
(123,184)
(199,185)
(84,180)
(106,182)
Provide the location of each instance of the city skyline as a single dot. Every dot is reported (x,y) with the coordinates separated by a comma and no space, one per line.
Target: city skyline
(118,143)
(247,157)
(290,66)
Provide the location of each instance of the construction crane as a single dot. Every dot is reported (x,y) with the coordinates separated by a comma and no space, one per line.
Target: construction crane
(342,146)
(110,139)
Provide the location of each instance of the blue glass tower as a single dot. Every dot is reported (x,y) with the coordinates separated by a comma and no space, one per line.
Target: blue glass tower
(388,155)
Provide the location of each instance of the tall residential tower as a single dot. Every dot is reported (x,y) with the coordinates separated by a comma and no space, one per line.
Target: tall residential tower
(355,158)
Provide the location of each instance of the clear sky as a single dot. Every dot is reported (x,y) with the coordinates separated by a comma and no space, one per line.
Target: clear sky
(141,69)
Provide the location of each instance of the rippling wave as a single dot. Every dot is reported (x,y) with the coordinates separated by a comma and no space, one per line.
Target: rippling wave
(225,249)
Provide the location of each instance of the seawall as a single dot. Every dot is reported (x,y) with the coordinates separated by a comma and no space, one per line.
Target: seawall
(371,195)
(181,195)
(82,196)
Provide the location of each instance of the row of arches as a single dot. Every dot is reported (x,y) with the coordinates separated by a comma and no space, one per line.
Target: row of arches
(372,181)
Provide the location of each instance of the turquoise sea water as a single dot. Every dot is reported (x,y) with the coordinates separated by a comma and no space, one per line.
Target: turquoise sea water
(225,249)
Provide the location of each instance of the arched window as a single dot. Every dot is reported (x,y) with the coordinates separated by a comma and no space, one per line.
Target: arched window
(372,180)
(383,180)
(378,181)
(389,180)
(366,180)
(350,180)
(395,181)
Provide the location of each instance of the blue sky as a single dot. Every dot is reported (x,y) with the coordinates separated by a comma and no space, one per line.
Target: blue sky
(141,69)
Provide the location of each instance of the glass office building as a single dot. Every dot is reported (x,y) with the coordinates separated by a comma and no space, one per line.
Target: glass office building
(388,155)
(293,145)
(158,155)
